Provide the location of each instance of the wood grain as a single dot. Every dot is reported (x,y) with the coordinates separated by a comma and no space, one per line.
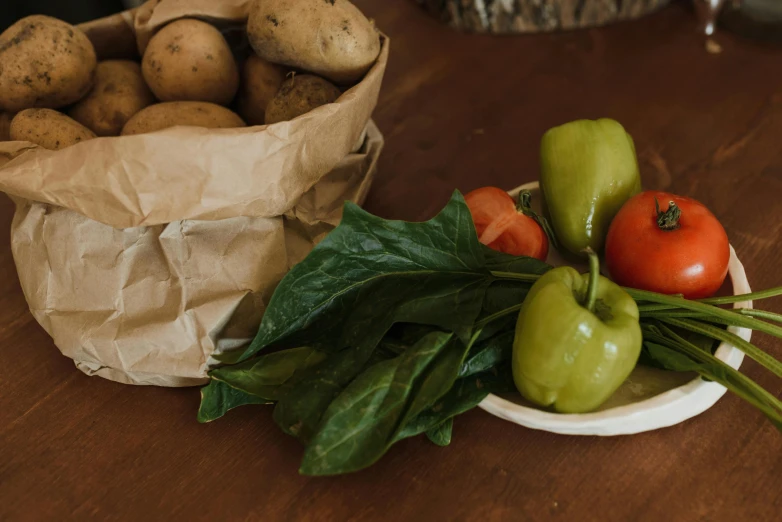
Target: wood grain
(458,111)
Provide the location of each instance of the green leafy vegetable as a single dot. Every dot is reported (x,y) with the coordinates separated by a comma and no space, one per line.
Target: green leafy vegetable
(441,434)
(364,420)
(370,273)
(263,376)
(464,395)
(407,325)
(217,398)
(675,353)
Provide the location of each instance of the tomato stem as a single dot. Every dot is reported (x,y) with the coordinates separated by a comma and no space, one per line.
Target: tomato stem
(594,279)
(524,205)
(668,220)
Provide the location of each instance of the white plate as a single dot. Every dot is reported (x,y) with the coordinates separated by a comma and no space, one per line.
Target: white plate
(649,399)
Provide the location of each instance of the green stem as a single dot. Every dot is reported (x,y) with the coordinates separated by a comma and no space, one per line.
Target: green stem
(525,207)
(712,311)
(736,382)
(654,308)
(496,315)
(594,279)
(527,278)
(760,314)
(729,318)
(668,220)
(764,359)
(754,296)
(653,296)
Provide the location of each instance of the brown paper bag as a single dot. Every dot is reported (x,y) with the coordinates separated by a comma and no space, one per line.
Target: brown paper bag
(145,257)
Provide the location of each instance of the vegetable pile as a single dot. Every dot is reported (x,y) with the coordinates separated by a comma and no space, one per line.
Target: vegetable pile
(391,329)
(55,93)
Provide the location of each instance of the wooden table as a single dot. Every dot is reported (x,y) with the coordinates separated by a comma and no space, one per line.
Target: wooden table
(458,112)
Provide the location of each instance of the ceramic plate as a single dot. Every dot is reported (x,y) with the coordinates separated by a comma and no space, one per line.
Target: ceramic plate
(649,399)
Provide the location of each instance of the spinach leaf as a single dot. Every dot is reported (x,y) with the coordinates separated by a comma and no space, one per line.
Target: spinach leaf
(489,353)
(464,395)
(441,434)
(365,419)
(253,382)
(217,398)
(502,262)
(369,273)
(263,376)
(304,398)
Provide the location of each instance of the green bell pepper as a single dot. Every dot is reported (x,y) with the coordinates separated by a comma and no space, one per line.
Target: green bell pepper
(577,339)
(588,171)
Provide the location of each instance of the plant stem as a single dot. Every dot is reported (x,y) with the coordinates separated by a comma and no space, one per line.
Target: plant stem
(736,382)
(496,315)
(760,314)
(525,207)
(654,308)
(527,278)
(764,359)
(594,279)
(712,312)
(754,296)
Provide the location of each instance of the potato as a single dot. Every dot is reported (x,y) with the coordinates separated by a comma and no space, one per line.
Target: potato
(330,38)
(170,114)
(299,95)
(44,62)
(260,82)
(189,60)
(49,129)
(5,126)
(119,93)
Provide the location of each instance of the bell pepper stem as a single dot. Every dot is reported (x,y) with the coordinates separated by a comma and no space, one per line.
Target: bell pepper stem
(594,279)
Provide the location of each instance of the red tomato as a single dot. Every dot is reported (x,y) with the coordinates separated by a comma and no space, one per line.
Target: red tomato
(502,227)
(688,255)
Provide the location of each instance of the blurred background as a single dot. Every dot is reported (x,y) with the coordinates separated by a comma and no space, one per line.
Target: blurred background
(755,19)
(72,11)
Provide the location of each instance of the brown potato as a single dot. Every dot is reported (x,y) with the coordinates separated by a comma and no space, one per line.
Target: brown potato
(170,114)
(49,129)
(119,93)
(189,60)
(299,95)
(5,126)
(260,82)
(330,38)
(44,62)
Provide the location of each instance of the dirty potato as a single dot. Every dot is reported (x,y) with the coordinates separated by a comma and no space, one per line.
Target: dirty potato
(118,94)
(299,95)
(48,128)
(170,114)
(189,60)
(44,62)
(260,82)
(330,38)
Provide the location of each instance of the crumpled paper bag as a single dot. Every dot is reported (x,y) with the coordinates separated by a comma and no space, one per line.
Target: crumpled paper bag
(146,257)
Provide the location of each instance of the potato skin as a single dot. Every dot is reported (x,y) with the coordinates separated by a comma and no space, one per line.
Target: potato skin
(118,94)
(260,82)
(299,95)
(5,126)
(49,129)
(330,38)
(189,60)
(170,114)
(44,62)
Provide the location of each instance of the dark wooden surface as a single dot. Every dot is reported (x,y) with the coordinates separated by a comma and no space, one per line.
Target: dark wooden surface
(458,112)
